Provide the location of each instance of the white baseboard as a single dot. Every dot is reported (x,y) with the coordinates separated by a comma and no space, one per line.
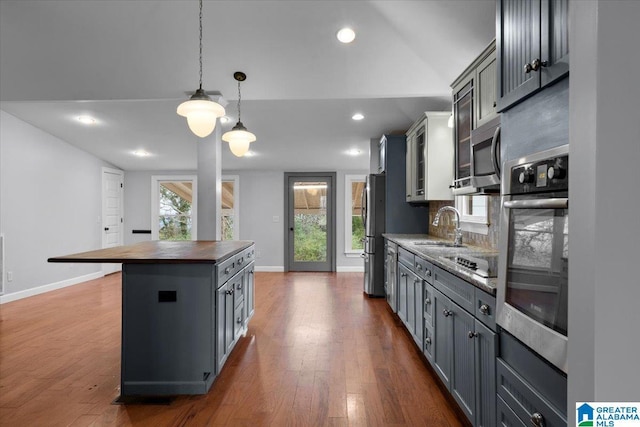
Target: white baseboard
(350,269)
(270,268)
(50,287)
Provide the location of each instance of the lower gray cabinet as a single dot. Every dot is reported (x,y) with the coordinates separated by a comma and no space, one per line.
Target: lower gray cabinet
(404,277)
(418,309)
(486,343)
(235,306)
(249,297)
(464,357)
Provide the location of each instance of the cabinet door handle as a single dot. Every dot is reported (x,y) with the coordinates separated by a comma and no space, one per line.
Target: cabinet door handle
(537,419)
(428,273)
(227,270)
(230,292)
(484,309)
(239,320)
(537,64)
(403,274)
(446,312)
(472,334)
(427,301)
(428,340)
(527,68)
(418,266)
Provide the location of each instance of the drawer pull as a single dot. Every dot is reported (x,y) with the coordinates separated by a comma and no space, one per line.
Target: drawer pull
(403,274)
(446,312)
(428,273)
(227,270)
(484,309)
(418,266)
(472,334)
(537,419)
(230,292)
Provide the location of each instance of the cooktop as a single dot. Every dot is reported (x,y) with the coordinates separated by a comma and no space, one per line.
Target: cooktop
(485,266)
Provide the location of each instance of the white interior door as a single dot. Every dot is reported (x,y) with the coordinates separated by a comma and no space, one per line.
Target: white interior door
(112,201)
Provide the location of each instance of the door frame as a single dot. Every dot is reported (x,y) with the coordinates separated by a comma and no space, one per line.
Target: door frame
(155,202)
(111,268)
(331,215)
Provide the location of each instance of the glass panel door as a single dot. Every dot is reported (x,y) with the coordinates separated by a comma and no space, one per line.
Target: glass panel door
(311,223)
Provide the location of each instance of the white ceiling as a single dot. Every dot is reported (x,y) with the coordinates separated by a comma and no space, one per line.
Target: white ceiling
(130,63)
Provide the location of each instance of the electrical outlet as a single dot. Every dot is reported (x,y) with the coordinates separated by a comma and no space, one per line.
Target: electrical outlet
(9,276)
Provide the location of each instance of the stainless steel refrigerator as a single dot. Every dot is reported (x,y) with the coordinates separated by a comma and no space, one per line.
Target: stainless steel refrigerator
(373,217)
(386,211)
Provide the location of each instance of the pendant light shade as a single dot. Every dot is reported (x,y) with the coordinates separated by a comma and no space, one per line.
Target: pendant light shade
(239,137)
(200,110)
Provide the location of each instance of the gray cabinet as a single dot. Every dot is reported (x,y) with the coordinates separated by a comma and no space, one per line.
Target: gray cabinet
(391,274)
(403,284)
(429,164)
(235,303)
(418,309)
(528,387)
(532,47)
(474,104)
(464,348)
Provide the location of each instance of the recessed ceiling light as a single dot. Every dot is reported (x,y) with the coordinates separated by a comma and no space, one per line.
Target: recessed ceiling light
(87,120)
(354,152)
(357,116)
(346,35)
(141,153)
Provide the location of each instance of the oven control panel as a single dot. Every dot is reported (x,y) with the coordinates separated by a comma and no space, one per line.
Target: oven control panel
(544,175)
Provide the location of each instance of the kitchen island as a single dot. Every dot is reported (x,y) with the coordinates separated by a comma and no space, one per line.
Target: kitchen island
(184,306)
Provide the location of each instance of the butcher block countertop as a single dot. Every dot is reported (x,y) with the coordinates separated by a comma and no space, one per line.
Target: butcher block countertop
(163,252)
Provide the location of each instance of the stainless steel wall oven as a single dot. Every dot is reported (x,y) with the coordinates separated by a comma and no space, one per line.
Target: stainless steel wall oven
(534,253)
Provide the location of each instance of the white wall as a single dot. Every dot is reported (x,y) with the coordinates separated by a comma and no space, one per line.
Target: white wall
(604,280)
(261,198)
(50,205)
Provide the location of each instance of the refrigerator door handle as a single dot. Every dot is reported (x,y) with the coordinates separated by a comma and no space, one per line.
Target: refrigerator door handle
(363,206)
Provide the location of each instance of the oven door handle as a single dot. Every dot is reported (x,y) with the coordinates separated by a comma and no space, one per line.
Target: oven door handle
(556,203)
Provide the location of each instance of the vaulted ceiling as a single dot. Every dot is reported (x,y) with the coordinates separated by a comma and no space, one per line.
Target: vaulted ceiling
(130,63)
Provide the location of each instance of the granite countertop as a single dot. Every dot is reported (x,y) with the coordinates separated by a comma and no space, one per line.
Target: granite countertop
(162,252)
(433,254)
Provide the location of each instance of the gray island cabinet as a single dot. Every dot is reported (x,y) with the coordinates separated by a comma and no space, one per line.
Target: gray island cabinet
(184,307)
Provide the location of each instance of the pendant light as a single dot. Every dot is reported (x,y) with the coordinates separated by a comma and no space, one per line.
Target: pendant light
(239,137)
(200,110)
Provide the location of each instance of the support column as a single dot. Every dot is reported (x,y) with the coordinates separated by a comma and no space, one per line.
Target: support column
(210,185)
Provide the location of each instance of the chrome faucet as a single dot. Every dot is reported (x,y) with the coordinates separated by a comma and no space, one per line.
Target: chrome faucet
(458,237)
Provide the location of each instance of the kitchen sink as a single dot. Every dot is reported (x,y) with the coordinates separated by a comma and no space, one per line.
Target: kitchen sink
(437,243)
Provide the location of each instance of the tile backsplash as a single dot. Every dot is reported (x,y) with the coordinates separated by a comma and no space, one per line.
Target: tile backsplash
(447,224)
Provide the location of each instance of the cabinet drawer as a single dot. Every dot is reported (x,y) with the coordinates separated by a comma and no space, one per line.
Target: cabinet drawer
(226,270)
(428,304)
(523,399)
(485,308)
(506,417)
(406,257)
(248,255)
(423,268)
(461,292)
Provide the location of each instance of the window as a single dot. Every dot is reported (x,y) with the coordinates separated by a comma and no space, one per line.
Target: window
(173,207)
(474,213)
(353,225)
(230,212)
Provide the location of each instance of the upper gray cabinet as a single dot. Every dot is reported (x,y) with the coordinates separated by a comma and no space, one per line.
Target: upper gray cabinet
(429,158)
(532,44)
(474,104)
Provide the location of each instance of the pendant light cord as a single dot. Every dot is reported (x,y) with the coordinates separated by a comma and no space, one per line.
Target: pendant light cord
(239,96)
(200,44)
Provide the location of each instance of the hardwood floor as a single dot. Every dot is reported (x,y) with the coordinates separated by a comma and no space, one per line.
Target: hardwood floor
(318,353)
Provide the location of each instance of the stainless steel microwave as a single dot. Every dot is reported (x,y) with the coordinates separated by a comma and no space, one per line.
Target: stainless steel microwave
(485,157)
